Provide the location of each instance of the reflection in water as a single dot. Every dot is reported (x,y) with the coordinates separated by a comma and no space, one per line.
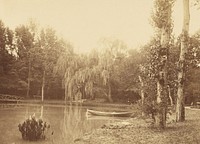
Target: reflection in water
(26,114)
(36,110)
(41,111)
(72,125)
(67,123)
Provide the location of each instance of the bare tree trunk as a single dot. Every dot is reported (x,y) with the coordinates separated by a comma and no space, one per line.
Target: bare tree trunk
(70,91)
(142,89)
(109,93)
(170,96)
(141,92)
(43,85)
(180,104)
(29,78)
(66,92)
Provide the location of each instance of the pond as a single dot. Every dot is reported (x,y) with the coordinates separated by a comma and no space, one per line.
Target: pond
(67,123)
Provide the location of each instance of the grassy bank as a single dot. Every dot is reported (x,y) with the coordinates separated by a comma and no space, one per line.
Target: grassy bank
(138,131)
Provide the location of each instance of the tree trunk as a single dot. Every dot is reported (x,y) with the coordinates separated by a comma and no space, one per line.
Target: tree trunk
(160,118)
(43,85)
(142,89)
(170,96)
(109,93)
(141,92)
(70,90)
(29,78)
(180,104)
(66,92)
(162,74)
(47,88)
(83,92)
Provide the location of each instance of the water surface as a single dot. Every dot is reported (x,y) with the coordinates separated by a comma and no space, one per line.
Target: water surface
(67,123)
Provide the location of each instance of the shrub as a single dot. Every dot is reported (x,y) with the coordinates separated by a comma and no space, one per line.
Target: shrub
(33,129)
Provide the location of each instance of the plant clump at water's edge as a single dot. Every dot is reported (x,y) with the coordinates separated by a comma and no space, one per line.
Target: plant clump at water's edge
(33,129)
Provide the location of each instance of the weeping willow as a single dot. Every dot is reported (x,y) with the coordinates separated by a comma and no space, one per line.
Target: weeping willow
(81,82)
(112,51)
(78,77)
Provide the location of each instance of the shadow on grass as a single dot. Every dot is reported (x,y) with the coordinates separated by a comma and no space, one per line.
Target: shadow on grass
(176,126)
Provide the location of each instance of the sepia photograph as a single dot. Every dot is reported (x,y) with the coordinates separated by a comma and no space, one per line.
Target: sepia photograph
(99,71)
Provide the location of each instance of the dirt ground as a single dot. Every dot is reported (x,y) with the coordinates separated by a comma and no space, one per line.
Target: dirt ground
(140,131)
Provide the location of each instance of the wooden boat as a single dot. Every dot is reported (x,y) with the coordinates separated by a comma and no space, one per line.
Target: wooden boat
(93,117)
(111,114)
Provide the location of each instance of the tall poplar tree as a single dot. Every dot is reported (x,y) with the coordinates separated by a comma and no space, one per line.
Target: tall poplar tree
(162,20)
(180,104)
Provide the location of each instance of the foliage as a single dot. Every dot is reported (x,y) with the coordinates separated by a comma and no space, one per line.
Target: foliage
(25,50)
(196,3)
(112,71)
(79,74)
(113,51)
(162,23)
(6,48)
(8,73)
(33,129)
(50,47)
(160,16)
(149,67)
(192,69)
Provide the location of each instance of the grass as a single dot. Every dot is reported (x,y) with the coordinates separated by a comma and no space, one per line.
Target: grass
(138,132)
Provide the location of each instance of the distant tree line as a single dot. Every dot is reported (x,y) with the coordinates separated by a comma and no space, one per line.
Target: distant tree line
(27,60)
(160,73)
(36,61)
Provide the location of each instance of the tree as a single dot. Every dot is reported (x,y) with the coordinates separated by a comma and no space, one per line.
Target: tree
(25,44)
(193,54)
(191,89)
(86,75)
(191,85)
(148,72)
(112,50)
(180,104)
(78,72)
(50,47)
(172,71)
(162,21)
(66,66)
(127,75)
(8,74)
(6,48)
(37,54)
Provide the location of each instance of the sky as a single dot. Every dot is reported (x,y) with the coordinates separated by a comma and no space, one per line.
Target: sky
(85,22)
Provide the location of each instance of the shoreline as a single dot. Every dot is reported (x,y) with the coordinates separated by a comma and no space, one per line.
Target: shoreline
(62,103)
(140,131)
(136,130)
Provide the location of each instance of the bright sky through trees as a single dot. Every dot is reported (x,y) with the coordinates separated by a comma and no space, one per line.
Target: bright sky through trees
(85,22)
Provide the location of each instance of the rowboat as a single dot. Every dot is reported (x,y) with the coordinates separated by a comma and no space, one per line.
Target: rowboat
(93,117)
(111,114)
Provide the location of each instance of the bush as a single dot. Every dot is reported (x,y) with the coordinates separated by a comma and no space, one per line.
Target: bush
(33,129)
